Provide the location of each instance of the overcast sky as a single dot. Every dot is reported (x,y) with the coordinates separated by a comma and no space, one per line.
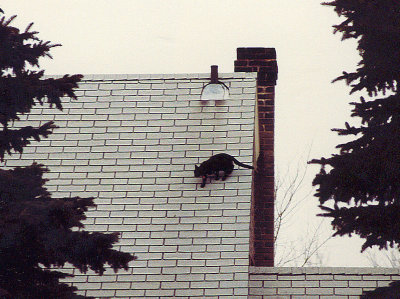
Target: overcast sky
(187,36)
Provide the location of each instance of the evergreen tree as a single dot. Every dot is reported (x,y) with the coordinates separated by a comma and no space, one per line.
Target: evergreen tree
(391,292)
(360,187)
(38,231)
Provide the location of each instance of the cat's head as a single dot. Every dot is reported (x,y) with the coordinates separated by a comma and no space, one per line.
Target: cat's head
(197,171)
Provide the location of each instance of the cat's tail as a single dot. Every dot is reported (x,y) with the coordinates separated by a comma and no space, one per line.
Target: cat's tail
(241,164)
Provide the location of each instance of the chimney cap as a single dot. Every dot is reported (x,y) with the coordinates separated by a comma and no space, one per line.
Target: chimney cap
(256,53)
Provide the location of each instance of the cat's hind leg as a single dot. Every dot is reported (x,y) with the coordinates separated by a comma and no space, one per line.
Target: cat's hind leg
(226,173)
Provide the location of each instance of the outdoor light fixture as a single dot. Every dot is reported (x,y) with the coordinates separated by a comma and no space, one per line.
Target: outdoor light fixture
(215,90)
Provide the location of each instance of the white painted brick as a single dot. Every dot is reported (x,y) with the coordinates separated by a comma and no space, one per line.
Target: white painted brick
(175,285)
(121,228)
(97,93)
(333,283)
(363,284)
(233,283)
(137,85)
(220,248)
(346,277)
(262,291)
(82,111)
(377,277)
(291,291)
(143,92)
(130,293)
(146,285)
(124,214)
(278,284)
(108,123)
(204,284)
(101,293)
(85,181)
(111,86)
(159,293)
(348,291)
(70,188)
(108,220)
(209,240)
(88,86)
(319,291)
(218,292)
(115,285)
(189,292)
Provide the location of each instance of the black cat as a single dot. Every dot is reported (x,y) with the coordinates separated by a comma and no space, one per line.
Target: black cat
(217,163)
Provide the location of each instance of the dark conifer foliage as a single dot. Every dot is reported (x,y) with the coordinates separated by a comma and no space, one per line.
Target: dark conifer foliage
(360,187)
(390,292)
(38,231)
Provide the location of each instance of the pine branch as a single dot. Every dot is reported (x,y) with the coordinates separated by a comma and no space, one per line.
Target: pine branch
(17,48)
(376,26)
(18,94)
(17,139)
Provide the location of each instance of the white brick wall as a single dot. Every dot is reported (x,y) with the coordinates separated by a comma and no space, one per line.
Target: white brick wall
(313,283)
(131,141)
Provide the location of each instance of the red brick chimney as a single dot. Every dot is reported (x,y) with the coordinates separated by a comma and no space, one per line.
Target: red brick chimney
(262,61)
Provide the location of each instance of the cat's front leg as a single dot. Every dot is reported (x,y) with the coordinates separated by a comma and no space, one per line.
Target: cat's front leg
(217,175)
(203,182)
